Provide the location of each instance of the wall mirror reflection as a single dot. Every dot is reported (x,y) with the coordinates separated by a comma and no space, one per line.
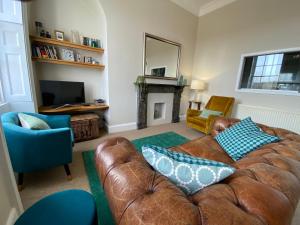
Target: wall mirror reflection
(162,58)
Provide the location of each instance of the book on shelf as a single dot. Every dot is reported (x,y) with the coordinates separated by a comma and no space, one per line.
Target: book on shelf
(44,51)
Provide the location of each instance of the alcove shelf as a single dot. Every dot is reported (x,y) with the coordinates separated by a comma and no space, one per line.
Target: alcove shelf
(68,44)
(69,63)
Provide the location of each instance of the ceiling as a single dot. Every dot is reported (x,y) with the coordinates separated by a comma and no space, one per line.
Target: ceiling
(201,7)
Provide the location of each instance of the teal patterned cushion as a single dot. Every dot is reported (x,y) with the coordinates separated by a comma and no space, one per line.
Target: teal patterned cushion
(242,138)
(189,173)
(207,112)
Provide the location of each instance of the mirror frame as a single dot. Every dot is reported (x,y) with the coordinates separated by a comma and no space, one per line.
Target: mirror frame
(147,35)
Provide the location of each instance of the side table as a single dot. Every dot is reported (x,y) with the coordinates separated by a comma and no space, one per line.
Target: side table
(194,102)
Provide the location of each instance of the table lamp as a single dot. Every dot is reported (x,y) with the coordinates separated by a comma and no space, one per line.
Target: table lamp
(197,86)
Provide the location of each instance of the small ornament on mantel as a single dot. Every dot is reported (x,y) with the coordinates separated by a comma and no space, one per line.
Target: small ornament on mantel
(181,81)
(140,80)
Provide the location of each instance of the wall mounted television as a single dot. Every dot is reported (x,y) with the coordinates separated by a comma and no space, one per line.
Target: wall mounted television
(59,93)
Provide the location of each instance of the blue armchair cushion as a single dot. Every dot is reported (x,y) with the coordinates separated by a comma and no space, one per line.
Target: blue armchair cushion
(32,122)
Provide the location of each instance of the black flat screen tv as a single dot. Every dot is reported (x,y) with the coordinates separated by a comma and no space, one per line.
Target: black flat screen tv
(58,93)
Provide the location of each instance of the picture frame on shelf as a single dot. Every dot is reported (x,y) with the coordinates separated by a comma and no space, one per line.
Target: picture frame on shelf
(59,35)
(87,59)
(75,36)
(78,57)
(67,55)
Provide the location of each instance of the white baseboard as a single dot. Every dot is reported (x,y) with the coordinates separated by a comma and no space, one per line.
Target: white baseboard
(182,117)
(121,127)
(129,126)
(12,217)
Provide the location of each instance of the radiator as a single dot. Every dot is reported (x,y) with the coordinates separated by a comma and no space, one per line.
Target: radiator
(270,117)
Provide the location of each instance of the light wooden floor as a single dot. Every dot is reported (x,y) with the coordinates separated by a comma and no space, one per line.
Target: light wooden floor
(38,185)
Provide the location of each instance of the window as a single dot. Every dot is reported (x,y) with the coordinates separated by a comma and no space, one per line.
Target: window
(2,101)
(14,67)
(277,72)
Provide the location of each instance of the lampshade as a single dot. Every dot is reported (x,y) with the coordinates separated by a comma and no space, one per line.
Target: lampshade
(197,85)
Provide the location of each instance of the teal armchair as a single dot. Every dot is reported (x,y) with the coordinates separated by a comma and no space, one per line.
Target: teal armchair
(33,150)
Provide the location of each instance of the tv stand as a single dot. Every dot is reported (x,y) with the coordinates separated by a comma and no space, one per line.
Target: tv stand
(73,109)
(62,106)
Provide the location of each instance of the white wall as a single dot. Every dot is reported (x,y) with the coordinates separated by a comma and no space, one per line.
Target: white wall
(10,203)
(126,23)
(245,27)
(88,18)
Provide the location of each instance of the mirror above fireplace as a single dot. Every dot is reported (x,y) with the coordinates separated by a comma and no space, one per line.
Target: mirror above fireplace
(162,58)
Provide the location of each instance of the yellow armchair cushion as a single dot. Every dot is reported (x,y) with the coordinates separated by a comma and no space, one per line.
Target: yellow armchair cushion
(200,121)
(193,112)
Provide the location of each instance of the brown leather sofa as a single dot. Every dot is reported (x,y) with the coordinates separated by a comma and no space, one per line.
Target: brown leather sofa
(264,190)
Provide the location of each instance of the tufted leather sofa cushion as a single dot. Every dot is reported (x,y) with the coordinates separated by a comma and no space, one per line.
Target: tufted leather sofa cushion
(264,190)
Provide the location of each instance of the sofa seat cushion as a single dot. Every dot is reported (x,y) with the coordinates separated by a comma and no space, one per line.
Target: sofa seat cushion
(190,174)
(197,120)
(207,112)
(242,138)
(205,147)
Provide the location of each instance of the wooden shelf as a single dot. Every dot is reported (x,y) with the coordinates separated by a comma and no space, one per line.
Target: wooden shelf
(73,109)
(65,62)
(51,41)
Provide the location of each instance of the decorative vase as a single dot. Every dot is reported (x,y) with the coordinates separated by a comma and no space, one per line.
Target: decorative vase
(180,81)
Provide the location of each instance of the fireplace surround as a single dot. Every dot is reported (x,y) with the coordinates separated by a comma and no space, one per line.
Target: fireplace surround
(144,89)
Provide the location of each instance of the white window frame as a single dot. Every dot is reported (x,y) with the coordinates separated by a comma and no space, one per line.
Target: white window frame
(25,101)
(2,99)
(262,91)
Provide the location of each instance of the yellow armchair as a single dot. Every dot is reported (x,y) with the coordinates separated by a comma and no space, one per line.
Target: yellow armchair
(193,112)
(216,103)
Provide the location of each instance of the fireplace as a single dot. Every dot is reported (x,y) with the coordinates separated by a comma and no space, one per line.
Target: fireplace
(145,89)
(159,108)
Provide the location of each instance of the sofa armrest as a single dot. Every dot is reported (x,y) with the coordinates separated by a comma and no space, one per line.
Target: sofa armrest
(193,112)
(222,123)
(210,122)
(59,121)
(136,192)
(32,150)
(54,121)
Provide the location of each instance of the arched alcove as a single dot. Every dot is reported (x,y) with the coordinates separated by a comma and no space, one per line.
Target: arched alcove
(88,18)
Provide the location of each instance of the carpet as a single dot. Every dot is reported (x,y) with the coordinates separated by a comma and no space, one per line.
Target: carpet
(166,140)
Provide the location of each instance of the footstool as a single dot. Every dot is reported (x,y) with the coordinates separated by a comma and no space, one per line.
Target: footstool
(71,207)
